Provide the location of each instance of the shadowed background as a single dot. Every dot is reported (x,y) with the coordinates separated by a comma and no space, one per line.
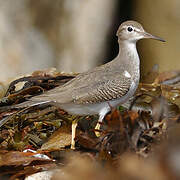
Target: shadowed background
(74,36)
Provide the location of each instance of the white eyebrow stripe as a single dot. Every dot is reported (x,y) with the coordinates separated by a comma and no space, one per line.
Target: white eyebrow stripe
(136,29)
(127,74)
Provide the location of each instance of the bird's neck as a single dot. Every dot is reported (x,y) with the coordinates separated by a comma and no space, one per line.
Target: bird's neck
(128,53)
(129,56)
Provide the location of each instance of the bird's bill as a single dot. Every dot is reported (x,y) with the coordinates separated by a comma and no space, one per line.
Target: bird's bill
(148,35)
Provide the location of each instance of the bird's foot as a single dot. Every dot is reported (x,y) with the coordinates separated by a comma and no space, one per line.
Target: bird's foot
(73,146)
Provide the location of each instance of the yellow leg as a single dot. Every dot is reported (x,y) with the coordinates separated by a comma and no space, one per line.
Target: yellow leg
(74,125)
(98,125)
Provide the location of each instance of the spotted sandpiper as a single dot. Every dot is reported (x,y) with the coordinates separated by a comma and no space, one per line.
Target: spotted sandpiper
(106,86)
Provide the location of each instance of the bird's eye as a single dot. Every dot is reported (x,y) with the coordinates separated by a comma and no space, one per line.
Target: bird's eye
(130,29)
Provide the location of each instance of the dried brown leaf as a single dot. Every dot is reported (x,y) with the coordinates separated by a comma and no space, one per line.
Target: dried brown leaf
(18,158)
(164,76)
(59,139)
(87,141)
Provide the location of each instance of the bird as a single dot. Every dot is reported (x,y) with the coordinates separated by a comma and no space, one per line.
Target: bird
(109,85)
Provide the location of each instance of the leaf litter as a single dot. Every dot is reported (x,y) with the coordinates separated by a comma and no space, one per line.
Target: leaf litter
(143,135)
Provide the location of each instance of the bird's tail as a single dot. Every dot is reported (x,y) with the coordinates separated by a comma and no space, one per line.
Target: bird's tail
(26,104)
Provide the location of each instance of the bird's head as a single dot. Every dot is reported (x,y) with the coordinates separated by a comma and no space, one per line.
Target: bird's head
(133,31)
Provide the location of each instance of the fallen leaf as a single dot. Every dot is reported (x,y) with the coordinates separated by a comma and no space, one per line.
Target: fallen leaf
(18,158)
(59,139)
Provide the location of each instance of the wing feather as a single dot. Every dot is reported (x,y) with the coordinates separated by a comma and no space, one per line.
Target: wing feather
(101,84)
(106,90)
